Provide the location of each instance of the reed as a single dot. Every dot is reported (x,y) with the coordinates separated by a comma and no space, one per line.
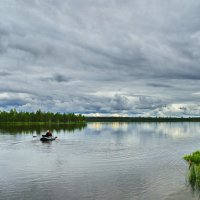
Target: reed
(194,169)
(193,158)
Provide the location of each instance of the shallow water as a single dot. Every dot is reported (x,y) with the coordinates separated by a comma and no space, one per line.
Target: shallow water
(107,161)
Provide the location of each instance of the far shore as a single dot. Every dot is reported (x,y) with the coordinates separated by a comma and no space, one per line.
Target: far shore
(110,119)
(142,119)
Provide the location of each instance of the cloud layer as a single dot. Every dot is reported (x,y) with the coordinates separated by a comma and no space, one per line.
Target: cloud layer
(104,56)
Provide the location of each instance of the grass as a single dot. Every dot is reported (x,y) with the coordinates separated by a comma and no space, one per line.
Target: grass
(193,158)
(194,169)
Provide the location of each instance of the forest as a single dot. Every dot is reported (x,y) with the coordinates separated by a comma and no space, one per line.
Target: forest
(39,116)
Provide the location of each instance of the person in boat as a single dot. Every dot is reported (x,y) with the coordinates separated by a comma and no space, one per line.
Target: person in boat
(48,134)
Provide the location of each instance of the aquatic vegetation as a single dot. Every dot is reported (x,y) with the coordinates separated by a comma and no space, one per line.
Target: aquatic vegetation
(194,169)
(193,158)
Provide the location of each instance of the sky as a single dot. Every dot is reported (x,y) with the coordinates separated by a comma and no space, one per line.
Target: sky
(101,57)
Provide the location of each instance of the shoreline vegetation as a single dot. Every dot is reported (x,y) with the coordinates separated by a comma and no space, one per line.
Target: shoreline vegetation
(39,118)
(193,161)
(38,122)
(42,118)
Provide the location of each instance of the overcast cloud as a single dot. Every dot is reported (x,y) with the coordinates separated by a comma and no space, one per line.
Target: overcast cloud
(102,57)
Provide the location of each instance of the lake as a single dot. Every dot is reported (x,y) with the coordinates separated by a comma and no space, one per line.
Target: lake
(100,161)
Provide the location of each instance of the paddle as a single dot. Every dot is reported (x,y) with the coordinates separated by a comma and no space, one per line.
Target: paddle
(57,138)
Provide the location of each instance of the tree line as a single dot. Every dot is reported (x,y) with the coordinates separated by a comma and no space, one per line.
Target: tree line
(142,119)
(39,116)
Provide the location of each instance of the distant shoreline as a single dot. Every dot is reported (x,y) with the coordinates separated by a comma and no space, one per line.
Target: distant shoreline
(141,119)
(109,119)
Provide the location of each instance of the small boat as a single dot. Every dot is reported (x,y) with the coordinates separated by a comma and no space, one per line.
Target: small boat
(46,139)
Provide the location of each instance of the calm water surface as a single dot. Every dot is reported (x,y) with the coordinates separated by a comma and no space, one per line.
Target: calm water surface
(103,161)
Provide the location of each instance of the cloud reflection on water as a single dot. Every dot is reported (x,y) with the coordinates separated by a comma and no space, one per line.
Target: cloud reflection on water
(172,130)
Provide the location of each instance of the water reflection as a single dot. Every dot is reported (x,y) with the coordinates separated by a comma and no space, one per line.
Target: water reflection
(39,129)
(104,161)
(172,130)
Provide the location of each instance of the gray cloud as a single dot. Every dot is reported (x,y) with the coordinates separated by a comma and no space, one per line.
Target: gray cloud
(119,57)
(159,85)
(5,73)
(61,78)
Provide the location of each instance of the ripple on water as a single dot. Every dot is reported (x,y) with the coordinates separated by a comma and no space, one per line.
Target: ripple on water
(139,165)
